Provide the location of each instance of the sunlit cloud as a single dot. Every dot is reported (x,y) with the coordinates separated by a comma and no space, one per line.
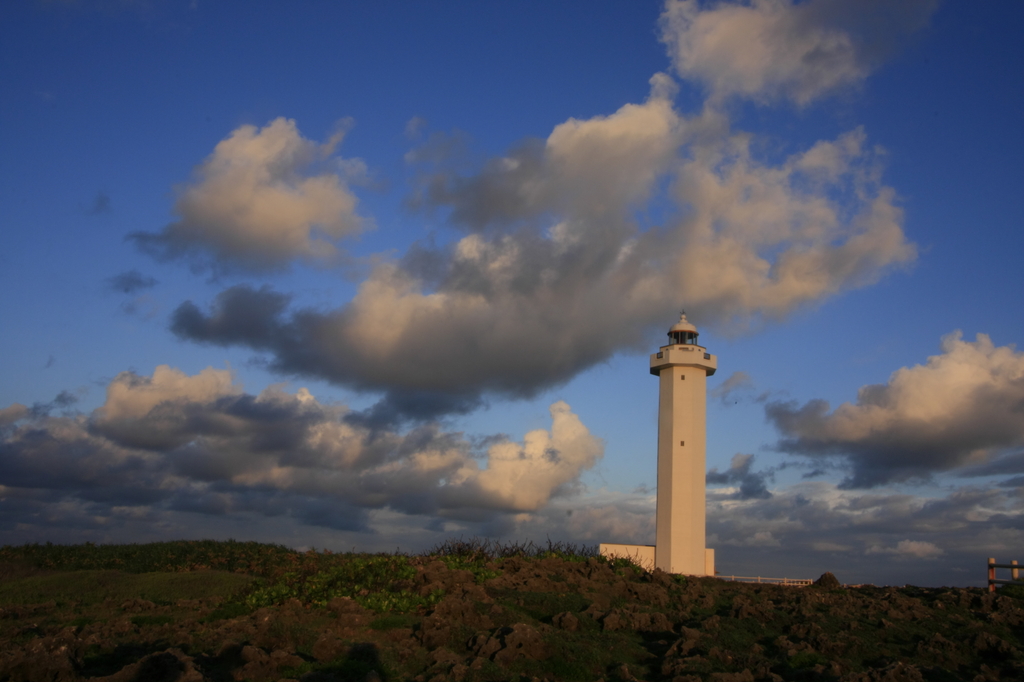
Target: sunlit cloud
(555,274)
(265,197)
(960,409)
(781,49)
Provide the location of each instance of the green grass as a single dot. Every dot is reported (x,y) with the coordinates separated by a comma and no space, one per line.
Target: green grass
(541,606)
(587,655)
(85,586)
(97,586)
(381,583)
(232,609)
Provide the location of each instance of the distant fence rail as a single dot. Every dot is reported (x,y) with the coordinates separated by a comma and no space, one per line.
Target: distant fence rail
(799,582)
(993,581)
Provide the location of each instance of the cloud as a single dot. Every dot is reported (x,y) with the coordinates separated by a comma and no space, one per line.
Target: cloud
(62,401)
(751,485)
(907,549)
(805,529)
(556,273)
(414,127)
(171,452)
(1009,463)
(100,204)
(816,521)
(130,282)
(12,413)
(264,198)
(737,382)
(200,444)
(962,408)
(773,49)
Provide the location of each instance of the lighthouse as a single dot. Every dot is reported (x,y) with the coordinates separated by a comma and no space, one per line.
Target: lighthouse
(682,367)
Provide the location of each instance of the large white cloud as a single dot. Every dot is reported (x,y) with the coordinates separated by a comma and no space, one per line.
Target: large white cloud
(265,197)
(770,49)
(961,408)
(200,443)
(557,273)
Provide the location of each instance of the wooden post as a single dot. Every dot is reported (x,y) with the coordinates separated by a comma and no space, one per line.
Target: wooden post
(1013,571)
(991,574)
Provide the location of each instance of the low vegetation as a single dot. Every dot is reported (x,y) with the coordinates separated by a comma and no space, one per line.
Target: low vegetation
(469,611)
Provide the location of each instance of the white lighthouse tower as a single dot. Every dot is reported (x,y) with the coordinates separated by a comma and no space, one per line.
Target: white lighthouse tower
(682,368)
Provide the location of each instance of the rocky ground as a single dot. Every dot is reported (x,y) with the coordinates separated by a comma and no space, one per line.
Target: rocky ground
(524,618)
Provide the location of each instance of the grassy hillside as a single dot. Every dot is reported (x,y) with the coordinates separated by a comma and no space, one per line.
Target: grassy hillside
(469,611)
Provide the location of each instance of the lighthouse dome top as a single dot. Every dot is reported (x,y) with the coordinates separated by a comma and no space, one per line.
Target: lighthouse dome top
(683,325)
(683,332)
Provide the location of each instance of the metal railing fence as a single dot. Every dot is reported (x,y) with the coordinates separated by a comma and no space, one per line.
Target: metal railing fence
(993,581)
(799,582)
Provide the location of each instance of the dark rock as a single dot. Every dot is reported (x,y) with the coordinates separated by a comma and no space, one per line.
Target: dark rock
(744,676)
(433,632)
(614,621)
(349,613)
(47,659)
(260,665)
(137,605)
(828,581)
(651,622)
(457,609)
(896,672)
(167,666)
(344,606)
(510,643)
(622,673)
(444,657)
(566,621)
(329,647)
(711,623)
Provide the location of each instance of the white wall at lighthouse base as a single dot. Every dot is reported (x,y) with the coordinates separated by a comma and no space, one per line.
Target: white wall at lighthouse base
(641,555)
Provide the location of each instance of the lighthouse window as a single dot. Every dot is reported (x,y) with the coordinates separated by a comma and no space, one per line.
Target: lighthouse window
(682,442)
(682,377)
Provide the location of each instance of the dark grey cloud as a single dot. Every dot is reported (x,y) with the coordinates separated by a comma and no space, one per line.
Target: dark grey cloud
(752,485)
(198,444)
(130,282)
(399,407)
(963,407)
(444,362)
(1008,463)
(240,315)
(62,401)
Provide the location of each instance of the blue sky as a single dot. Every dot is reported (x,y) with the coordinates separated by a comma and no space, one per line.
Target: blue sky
(404,263)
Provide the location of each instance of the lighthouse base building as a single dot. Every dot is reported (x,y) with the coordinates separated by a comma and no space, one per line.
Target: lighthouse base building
(682,368)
